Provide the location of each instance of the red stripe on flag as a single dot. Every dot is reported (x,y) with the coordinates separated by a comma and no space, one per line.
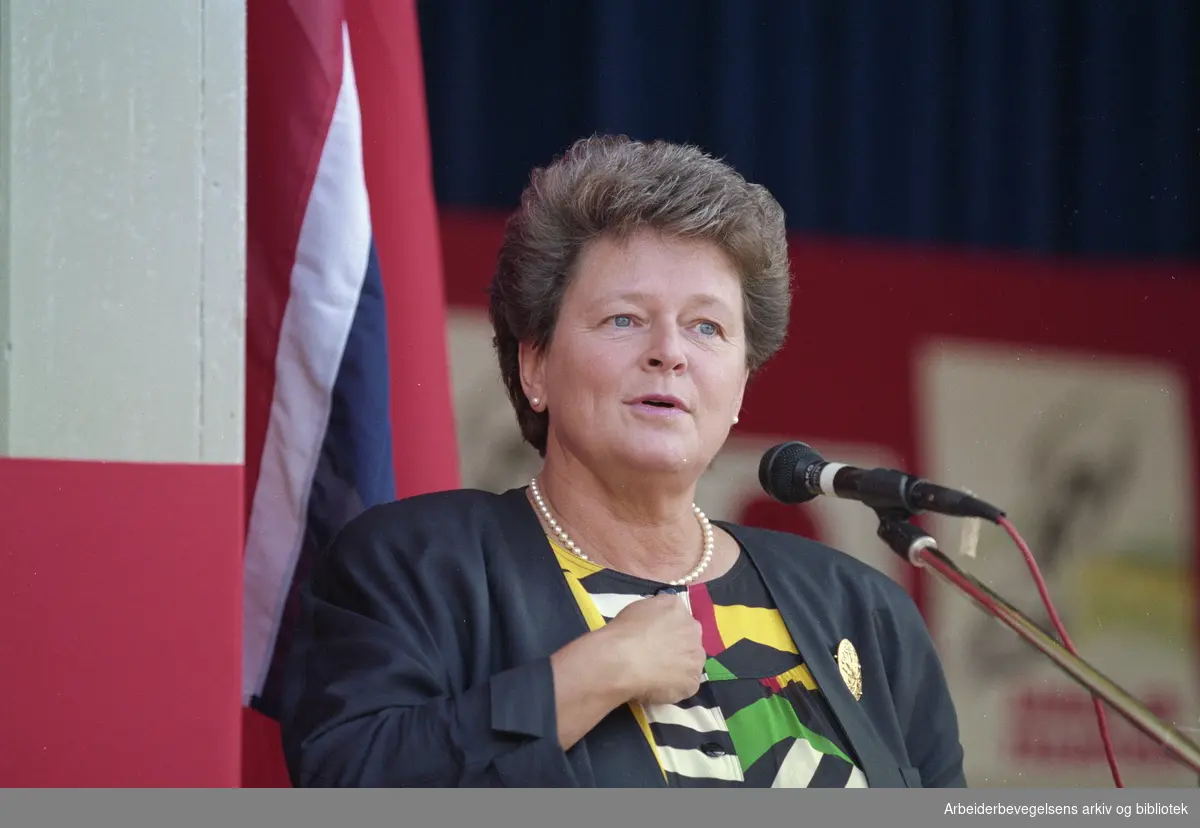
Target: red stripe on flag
(294,72)
(295,60)
(387,58)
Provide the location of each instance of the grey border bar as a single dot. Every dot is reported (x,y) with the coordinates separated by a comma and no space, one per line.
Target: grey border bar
(604,809)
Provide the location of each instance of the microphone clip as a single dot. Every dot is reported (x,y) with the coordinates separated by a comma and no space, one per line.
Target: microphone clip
(902,537)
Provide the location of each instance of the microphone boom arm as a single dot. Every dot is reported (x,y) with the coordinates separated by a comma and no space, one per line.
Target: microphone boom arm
(920,549)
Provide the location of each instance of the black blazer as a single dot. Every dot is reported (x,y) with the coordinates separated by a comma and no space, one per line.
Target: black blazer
(421,657)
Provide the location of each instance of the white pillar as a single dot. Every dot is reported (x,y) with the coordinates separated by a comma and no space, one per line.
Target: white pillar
(121,229)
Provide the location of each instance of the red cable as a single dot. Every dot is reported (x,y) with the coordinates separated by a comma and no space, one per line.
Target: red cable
(1101,718)
(971,590)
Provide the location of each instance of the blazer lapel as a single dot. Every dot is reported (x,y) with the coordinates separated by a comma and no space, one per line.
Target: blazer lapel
(615,753)
(878,764)
(816,643)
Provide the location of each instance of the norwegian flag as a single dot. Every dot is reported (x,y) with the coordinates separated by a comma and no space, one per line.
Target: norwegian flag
(347,391)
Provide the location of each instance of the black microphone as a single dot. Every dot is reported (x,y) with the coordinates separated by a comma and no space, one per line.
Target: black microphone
(794,472)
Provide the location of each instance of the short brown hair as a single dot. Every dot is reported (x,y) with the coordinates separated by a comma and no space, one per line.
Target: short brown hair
(613,186)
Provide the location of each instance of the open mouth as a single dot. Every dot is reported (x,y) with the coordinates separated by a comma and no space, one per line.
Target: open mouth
(662,403)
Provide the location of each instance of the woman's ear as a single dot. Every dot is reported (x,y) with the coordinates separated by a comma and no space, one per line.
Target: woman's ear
(741,393)
(532,364)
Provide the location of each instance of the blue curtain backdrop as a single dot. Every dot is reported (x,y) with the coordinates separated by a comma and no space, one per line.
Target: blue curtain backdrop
(1039,125)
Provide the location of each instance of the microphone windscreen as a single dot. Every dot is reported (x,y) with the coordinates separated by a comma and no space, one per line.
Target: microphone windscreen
(777,471)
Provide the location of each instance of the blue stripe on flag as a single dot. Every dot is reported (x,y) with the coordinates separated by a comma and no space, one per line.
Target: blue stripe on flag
(354,470)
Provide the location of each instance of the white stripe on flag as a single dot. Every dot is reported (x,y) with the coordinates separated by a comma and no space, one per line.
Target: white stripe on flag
(326,281)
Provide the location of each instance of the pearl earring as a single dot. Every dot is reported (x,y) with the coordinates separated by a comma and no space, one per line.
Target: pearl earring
(534,402)
(735,419)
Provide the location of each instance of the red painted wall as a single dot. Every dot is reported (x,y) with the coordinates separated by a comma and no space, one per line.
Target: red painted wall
(120,624)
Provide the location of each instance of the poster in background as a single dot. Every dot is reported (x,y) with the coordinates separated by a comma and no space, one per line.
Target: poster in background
(493,457)
(1091,457)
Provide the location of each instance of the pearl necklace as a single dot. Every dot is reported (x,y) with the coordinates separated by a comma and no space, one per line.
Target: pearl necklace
(566,541)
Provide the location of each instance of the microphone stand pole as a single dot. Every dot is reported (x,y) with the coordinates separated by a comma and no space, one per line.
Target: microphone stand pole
(920,549)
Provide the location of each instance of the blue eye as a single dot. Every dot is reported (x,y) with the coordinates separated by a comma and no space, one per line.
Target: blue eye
(708,329)
(622,321)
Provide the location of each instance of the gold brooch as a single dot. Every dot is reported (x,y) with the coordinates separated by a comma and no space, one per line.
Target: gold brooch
(851,670)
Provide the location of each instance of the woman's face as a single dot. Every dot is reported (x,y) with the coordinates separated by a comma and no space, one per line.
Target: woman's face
(647,365)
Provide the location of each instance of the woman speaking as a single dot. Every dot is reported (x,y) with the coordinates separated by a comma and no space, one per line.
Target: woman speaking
(595,628)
